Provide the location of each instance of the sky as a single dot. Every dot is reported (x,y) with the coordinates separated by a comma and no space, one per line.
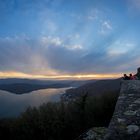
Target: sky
(69,38)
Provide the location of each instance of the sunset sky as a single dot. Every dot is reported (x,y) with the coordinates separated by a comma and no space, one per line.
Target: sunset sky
(69,38)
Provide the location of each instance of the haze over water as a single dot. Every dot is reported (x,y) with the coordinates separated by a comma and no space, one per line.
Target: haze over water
(13,104)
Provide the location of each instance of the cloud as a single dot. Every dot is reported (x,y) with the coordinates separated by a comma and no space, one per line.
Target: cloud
(50,26)
(46,55)
(107,25)
(106,28)
(65,44)
(120,48)
(93,14)
(20,54)
(70,37)
(51,41)
(53,56)
(133,7)
(134,4)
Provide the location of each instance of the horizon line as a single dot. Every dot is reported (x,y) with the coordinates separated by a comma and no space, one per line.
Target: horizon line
(57,77)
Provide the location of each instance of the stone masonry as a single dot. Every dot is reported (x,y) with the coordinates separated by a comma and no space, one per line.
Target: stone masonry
(125,123)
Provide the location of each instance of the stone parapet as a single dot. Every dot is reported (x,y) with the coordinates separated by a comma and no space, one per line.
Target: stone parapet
(125,123)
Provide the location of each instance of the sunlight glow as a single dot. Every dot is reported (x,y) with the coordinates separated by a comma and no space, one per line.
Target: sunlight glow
(77,76)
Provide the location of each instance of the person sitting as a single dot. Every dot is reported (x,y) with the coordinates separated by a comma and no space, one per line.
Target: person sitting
(132,77)
(126,77)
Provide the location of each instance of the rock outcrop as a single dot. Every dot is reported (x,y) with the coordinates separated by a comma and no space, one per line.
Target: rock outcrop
(95,133)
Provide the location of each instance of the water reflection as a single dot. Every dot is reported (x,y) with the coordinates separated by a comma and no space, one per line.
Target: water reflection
(13,104)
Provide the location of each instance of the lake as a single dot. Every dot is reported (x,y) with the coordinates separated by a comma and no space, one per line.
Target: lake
(13,104)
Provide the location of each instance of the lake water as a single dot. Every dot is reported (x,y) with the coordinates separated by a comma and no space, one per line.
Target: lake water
(13,104)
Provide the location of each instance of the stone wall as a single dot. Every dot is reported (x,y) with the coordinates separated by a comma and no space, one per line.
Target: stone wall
(125,123)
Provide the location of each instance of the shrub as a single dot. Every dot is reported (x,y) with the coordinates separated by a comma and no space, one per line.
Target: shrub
(61,121)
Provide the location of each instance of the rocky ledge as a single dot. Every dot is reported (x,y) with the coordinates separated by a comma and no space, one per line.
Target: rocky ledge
(95,133)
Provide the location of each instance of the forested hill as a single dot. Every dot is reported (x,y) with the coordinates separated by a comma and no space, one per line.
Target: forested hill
(21,86)
(94,88)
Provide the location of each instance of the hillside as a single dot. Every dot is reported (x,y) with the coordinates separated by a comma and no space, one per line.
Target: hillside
(64,120)
(93,89)
(21,86)
(43,81)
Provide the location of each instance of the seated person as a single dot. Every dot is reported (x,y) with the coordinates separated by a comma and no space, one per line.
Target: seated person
(126,77)
(132,77)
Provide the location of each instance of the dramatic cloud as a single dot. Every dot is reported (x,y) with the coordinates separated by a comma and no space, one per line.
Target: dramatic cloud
(42,56)
(51,56)
(52,37)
